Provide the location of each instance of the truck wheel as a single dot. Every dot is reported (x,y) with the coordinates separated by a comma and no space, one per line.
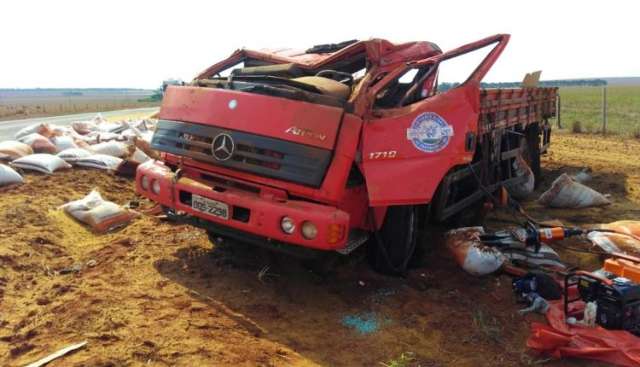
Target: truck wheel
(391,248)
(473,215)
(532,151)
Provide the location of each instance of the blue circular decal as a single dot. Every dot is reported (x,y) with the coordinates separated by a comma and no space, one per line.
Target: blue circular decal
(429,132)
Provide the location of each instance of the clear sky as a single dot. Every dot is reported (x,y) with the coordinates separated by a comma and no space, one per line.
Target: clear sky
(133,43)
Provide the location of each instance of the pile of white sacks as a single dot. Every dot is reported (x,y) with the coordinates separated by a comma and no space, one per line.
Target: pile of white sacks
(95,143)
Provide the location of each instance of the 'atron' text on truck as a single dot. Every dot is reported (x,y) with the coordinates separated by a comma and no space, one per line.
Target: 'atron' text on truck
(341,145)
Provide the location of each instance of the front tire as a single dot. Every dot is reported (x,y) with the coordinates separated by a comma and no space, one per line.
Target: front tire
(391,248)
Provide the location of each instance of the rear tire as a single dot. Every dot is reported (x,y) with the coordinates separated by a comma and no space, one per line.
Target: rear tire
(392,247)
(531,153)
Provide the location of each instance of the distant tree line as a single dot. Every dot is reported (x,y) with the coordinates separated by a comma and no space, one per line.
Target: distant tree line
(542,83)
(155,97)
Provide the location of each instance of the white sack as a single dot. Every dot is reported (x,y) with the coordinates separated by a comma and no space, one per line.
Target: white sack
(520,253)
(582,176)
(112,127)
(98,119)
(112,148)
(45,163)
(40,128)
(58,130)
(470,253)
(100,161)
(73,154)
(567,193)
(11,150)
(522,189)
(39,143)
(627,240)
(84,127)
(63,142)
(8,176)
(139,156)
(100,214)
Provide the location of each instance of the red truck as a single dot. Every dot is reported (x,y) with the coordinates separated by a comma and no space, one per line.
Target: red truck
(340,145)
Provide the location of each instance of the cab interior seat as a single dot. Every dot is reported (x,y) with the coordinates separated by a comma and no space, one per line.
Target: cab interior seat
(325,85)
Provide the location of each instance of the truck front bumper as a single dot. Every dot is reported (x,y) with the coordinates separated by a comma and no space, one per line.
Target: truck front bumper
(252,209)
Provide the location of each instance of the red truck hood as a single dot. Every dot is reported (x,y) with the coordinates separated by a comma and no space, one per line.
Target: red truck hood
(297,121)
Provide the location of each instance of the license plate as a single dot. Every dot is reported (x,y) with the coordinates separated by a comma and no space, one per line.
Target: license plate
(208,206)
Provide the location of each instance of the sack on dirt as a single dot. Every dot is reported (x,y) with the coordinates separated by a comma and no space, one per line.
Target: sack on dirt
(625,240)
(147,136)
(145,146)
(130,133)
(526,256)
(140,128)
(96,137)
(39,143)
(138,156)
(112,127)
(82,144)
(98,119)
(99,214)
(129,166)
(100,161)
(9,176)
(143,125)
(73,154)
(470,253)
(522,189)
(583,176)
(57,130)
(41,128)
(45,163)
(631,227)
(567,193)
(615,243)
(104,137)
(63,142)
(11,150)
(84,127)
(112,148)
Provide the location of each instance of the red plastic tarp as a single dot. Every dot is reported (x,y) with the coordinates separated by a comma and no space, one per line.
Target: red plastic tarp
(562,340)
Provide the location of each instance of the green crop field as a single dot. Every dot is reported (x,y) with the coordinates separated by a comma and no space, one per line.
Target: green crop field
(26,103)
(583,105)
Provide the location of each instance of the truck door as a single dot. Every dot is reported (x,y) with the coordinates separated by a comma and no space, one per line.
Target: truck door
(413,136)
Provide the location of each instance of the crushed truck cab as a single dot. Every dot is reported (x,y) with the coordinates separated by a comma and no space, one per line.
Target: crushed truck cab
(340,145)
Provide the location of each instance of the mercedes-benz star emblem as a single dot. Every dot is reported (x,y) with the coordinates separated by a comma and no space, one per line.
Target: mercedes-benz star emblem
(222,147)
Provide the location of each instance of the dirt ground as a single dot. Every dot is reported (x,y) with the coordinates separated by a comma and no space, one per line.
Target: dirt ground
(159,295)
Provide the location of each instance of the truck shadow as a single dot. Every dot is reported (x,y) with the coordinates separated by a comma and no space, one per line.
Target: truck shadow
(352,316)
(433,312)
(276,297)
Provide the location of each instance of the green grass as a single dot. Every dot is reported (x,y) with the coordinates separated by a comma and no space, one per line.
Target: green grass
(584,104)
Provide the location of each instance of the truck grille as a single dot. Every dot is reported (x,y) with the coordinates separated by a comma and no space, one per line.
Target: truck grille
(252,153)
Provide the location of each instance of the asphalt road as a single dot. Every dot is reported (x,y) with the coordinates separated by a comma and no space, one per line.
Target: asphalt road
(10,127)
